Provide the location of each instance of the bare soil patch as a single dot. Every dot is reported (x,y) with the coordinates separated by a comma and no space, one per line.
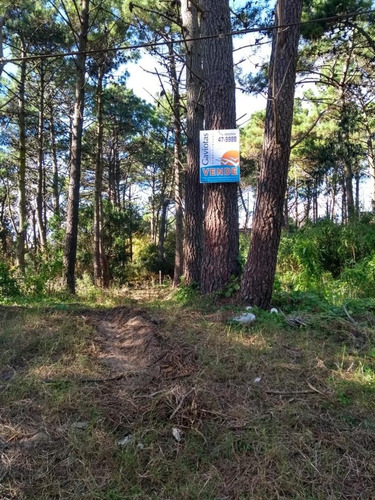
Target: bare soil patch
(129,343)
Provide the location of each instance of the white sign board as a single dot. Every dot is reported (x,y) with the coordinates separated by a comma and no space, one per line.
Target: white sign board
(219,156)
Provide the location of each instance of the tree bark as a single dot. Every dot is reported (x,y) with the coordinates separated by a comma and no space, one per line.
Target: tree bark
(349,195)
(220,231)
(259,274)
(179,246)
(371,162)
(55,170)
(40,193)
(98,212)
(76,152)
(21,232)
(162,227)
(194,123)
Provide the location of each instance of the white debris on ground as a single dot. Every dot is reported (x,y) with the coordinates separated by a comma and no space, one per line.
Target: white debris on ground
(245,318)
(125,440)
(177,434)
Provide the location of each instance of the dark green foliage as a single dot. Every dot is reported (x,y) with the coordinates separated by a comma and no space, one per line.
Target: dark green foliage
(8,284)
(148,261)
(329,258)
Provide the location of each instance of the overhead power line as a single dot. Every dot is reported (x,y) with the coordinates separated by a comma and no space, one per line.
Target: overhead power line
(244,31)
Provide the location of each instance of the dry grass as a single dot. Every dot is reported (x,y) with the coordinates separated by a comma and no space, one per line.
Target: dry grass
(266,411)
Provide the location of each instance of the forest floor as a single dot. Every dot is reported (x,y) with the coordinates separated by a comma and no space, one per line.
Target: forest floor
(150,399)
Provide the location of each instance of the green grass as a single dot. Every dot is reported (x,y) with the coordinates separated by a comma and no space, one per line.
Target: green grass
(306,430)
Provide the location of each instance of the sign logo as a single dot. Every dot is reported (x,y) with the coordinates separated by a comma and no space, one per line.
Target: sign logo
(219,156)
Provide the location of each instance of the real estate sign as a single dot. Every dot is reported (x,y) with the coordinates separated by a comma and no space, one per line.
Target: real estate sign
(219,156)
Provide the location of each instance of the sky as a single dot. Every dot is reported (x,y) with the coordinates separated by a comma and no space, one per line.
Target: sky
(147,85)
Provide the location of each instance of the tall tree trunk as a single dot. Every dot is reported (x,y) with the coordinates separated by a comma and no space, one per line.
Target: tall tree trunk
(344,213)
(259,274)
(55,170)
(296,199)
(334,197)
(221,232)
(370,152)
(315,201)
(21,232)
(357,202)
(179,246)
(153,216)
(162,226)
(308,202)
(349,196)
(98,212)
(371,162)
(76,152)
(194,123)
(40,193)
(344,134)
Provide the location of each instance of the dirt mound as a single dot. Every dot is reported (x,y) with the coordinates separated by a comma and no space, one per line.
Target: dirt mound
(131,342)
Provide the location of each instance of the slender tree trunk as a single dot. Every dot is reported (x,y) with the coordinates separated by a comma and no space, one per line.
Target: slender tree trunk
(221,232)
(296,199)
(130,202)
(40,193)
(194,123)
(357,203)
(98,215)
(259,274)
(286,209)
(55,169)
(308,202)
(162,226)
(76,153)
(153,222)
(21,233)
(315,201)
(348,173)
(344,213)
(370,154)
(334,196)
(371,162)
(179,246)
(345,135)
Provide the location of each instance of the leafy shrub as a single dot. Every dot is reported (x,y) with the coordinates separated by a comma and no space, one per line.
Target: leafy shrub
(332,260)
(146,259)
(8,284)
(186,294)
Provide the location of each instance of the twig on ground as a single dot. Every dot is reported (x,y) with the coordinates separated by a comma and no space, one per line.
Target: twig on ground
(348,315)
(287,393)
(183,397)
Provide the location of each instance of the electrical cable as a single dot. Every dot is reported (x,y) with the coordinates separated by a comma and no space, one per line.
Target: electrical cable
(244,31)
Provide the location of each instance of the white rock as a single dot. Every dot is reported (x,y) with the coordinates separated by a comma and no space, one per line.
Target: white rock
(245,318)
(249,308)
(257,380)
(274,310)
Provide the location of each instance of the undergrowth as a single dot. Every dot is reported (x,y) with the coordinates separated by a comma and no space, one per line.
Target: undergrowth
(268,410)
